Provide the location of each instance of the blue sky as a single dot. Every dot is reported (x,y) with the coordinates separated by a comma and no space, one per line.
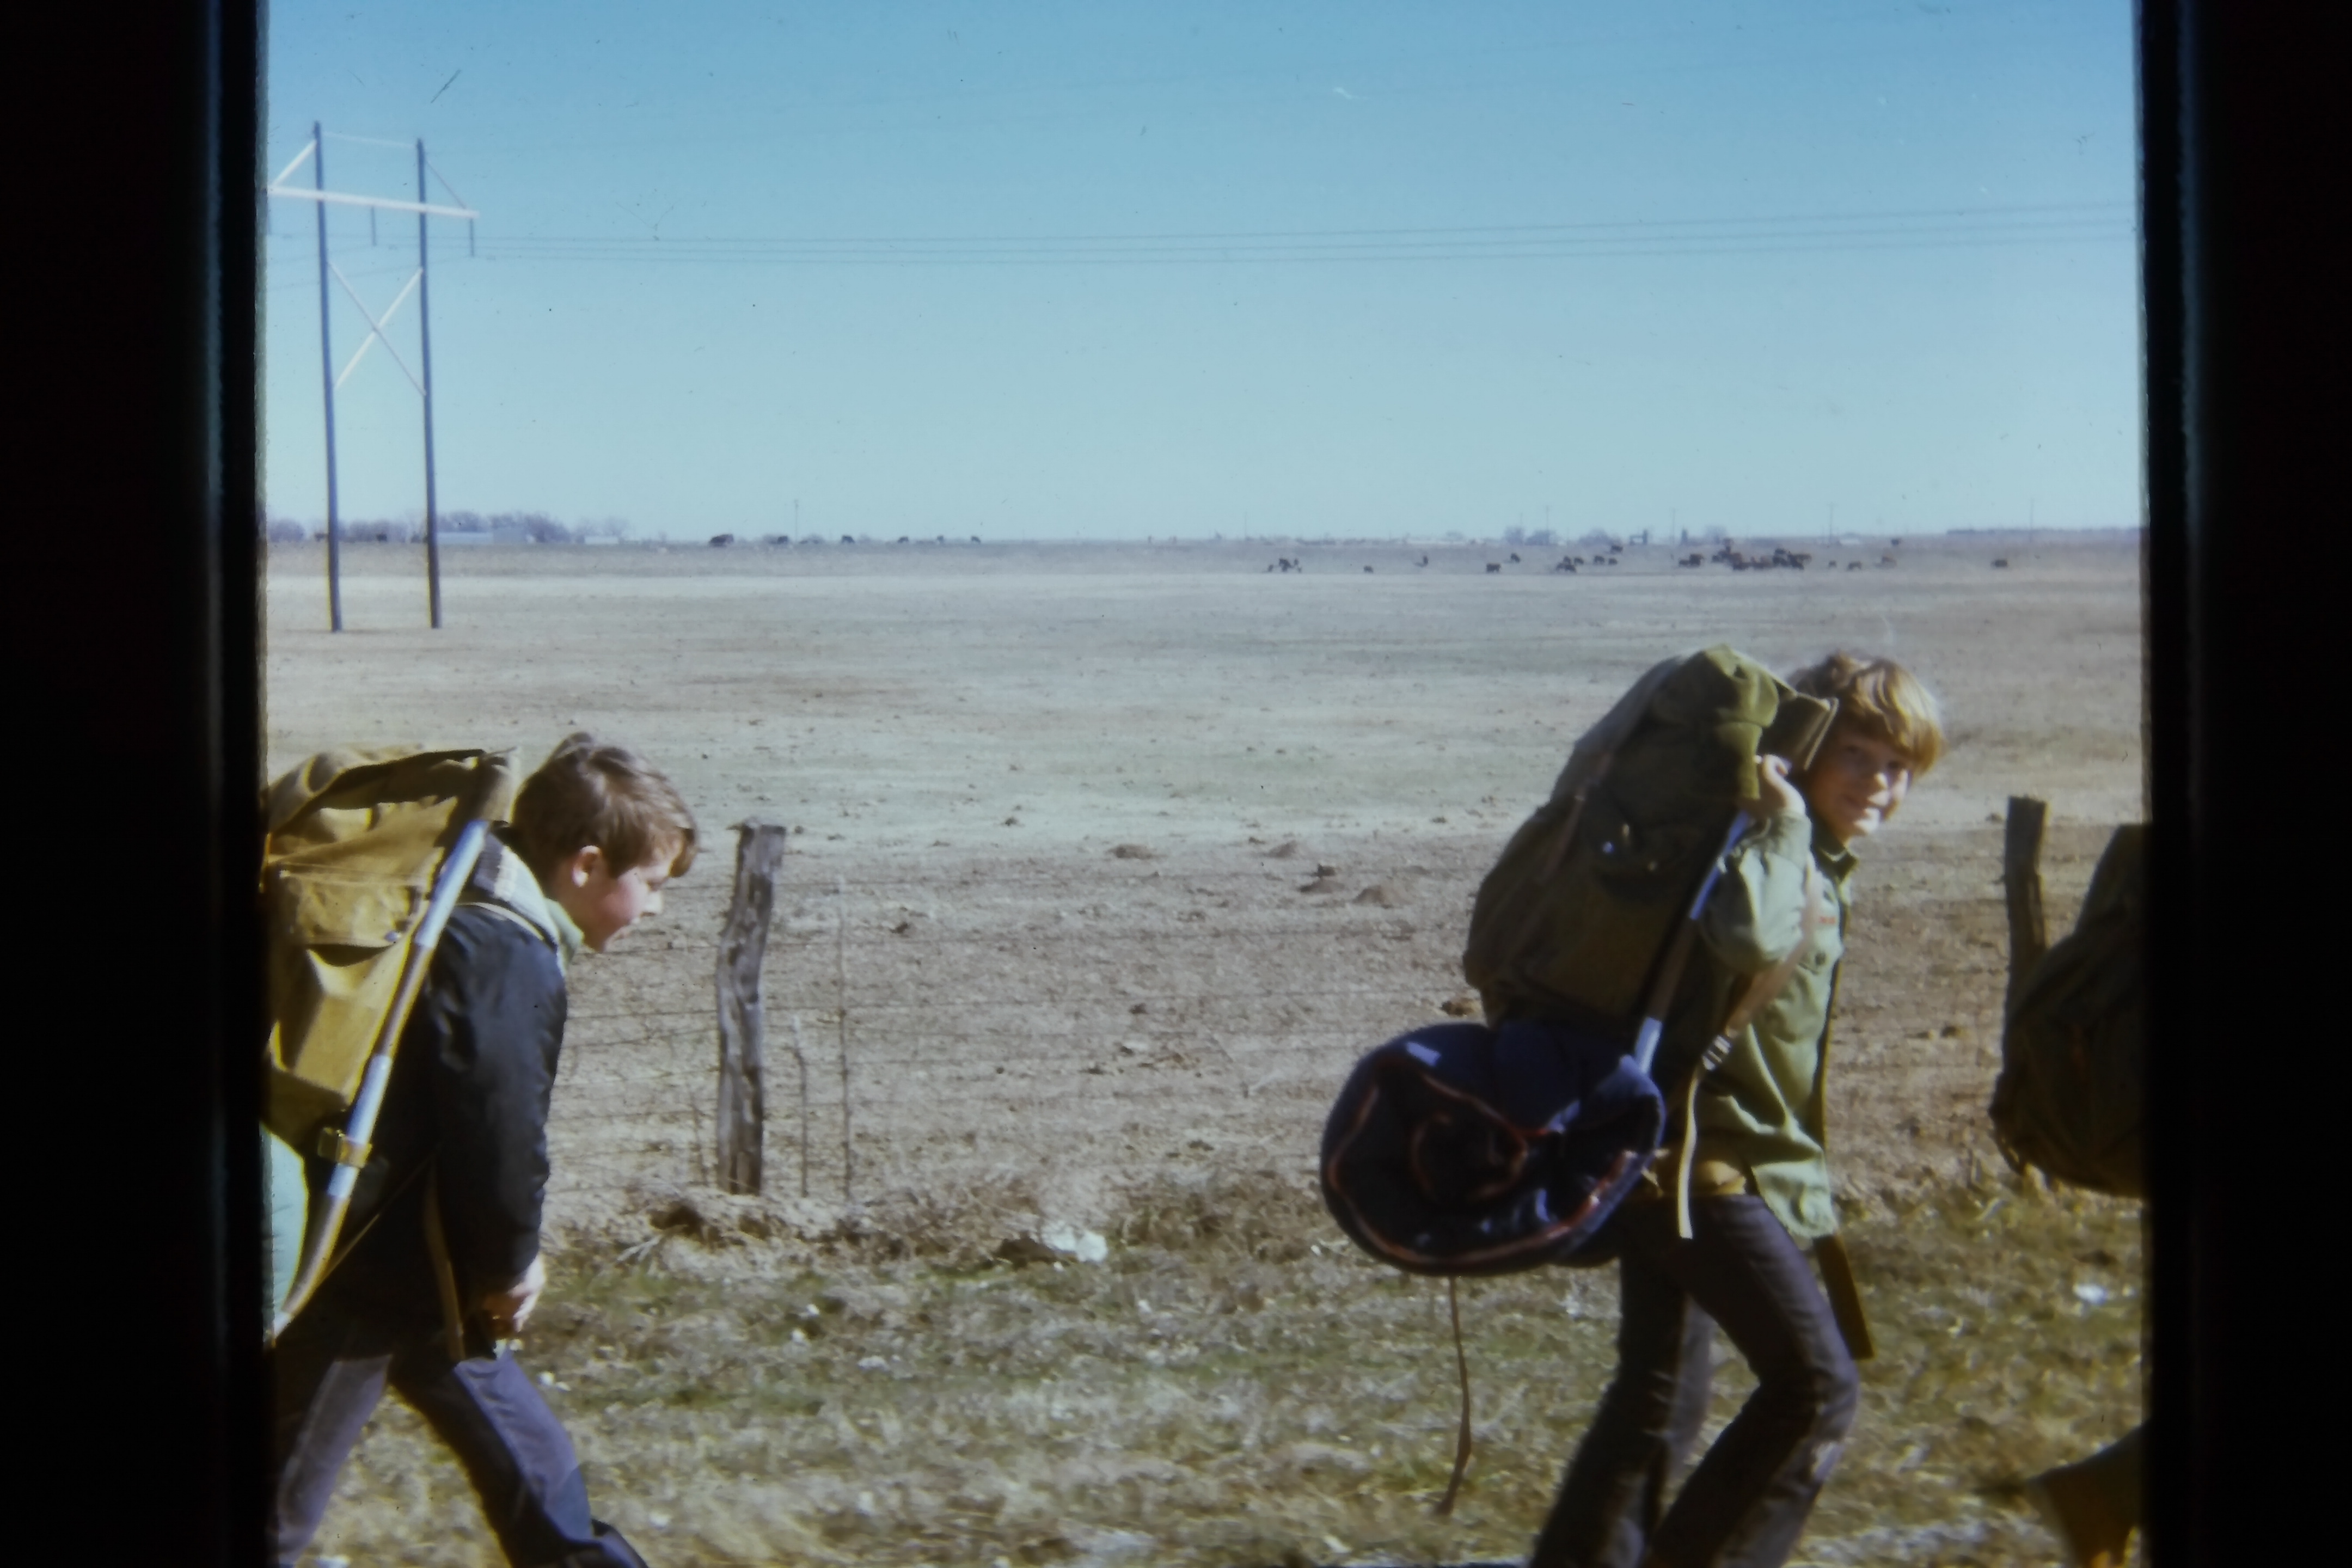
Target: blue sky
(1114,270)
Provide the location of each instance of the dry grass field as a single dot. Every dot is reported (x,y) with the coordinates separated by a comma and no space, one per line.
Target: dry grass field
(1107,862)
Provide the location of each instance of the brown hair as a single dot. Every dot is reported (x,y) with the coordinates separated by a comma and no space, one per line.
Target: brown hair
(593,792)
(1882,700)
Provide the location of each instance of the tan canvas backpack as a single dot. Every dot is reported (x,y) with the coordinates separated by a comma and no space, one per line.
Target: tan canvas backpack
(365,854)
(355,838)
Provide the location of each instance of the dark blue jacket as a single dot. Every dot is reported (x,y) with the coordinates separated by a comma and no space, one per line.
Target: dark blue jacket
(468,1097)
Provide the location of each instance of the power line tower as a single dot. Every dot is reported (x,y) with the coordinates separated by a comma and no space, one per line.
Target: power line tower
(314,153)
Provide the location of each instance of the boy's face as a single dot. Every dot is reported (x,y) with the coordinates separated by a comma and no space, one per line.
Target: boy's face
(1856,782)
(603,903)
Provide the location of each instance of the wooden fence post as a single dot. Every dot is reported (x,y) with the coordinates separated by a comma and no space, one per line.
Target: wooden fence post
(743,946)
(2021,879)
(841,1001)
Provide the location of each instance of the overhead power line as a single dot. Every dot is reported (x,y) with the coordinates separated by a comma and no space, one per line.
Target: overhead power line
(1892,215)
(1898,230)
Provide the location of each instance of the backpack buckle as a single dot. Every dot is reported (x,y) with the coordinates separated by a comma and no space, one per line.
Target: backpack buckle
(343,1151)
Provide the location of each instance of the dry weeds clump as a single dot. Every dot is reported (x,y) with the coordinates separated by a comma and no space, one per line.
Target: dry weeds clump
(1233,1386)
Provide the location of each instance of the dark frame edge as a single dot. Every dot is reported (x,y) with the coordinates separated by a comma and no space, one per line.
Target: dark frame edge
(2168,632)
(137,623)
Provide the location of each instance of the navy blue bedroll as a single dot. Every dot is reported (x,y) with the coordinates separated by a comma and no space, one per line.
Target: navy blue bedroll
(1469,1149)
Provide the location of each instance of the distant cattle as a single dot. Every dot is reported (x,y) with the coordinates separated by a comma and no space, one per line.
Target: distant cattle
(2003,561)
(904,539)
(975,539)
(1616,550)
(777,539)
(1564,564)
(1781,558)
(721,540)
(1494,566)
(1693,559)
(845,539)
(1853,565)
(1367,568)
(1515,558)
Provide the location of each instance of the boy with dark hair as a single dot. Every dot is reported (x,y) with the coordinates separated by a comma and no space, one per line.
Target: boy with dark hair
(1759,1182)
(442,1264)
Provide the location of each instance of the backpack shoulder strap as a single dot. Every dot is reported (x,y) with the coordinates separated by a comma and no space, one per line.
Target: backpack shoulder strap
(493,907)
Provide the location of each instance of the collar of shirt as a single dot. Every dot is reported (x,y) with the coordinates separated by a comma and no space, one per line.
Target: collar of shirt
(1834,856)
(502,877)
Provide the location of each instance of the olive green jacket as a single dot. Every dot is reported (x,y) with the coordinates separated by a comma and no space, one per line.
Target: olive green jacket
(1764,1111)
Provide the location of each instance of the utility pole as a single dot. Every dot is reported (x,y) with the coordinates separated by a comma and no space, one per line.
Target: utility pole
(327,380)
(424,357)
(330,379)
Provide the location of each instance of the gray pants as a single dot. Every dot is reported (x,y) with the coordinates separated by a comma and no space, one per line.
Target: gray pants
(331,1372)
(1745,1504)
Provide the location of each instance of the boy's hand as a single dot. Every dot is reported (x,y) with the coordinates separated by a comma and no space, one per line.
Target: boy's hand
(1775,795)
(510,1309)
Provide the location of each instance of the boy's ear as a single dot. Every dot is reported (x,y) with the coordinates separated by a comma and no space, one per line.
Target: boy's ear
(575,869)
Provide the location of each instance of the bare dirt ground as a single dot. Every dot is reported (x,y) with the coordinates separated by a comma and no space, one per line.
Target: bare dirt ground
(1108,860)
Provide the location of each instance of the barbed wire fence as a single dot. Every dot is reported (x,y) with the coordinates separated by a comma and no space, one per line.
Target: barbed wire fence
(1057,1026)
(997,1022)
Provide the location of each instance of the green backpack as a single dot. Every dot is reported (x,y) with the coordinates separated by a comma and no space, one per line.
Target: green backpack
(1573,924)
(355,838)
(364,851)
(2073,1052)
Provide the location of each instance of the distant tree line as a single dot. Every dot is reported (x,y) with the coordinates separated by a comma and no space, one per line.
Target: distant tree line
(503,528)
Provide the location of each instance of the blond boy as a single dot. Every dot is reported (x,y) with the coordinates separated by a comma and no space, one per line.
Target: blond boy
(1761,1187)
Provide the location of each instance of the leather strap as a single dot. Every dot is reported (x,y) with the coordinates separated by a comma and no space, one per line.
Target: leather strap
(1845,1296)
(1462,1445)
(445,1274)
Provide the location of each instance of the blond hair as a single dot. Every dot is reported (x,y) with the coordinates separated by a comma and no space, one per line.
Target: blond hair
(590,792)
(1882,700)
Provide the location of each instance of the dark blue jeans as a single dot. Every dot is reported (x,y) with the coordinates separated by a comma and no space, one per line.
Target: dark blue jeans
(331,1372)
(1746,1502)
